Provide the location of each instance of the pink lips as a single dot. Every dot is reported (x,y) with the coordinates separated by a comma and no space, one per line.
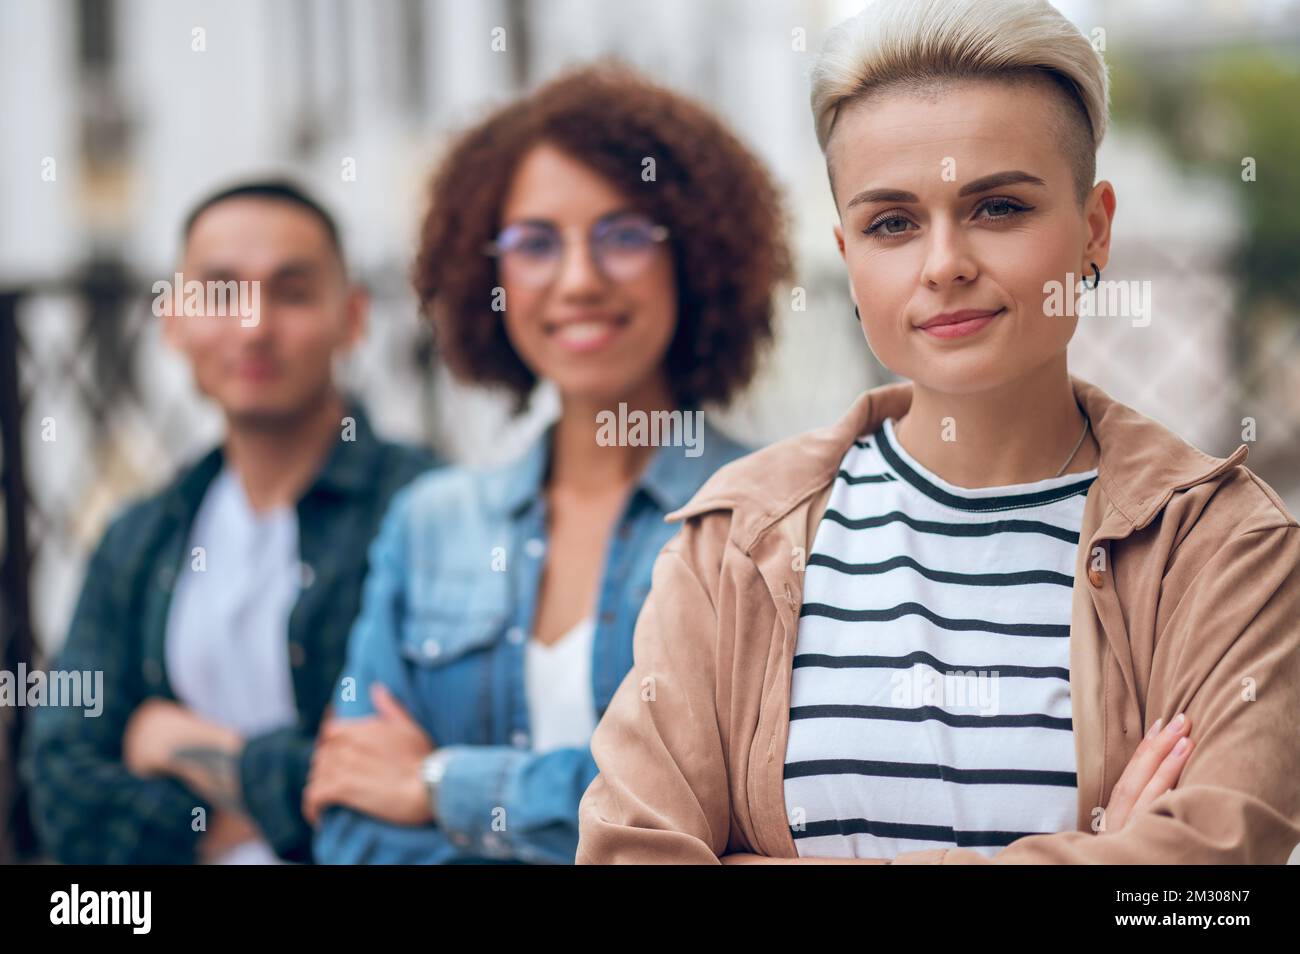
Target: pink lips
(584,333)
(958,324)
(255,369)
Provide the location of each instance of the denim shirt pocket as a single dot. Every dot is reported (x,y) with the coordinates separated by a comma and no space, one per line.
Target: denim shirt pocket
(450,656)
(451,613)
(433,639)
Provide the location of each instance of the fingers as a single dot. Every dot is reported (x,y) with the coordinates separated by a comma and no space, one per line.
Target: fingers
(413,736)
(1166,776)
(336,759)
(331,756)
(383,700)
(314,790)
(313,800)
(351,756)
(346,728)
(387,706)
(320,794)
(329,782)
(1142,767)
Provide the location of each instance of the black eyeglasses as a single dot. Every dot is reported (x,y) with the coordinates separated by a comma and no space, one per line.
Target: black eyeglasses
(621,245)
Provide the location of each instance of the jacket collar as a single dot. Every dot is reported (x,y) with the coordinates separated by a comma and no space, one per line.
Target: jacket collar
(512,487)
(1142,464)
(349,468)
(669,479)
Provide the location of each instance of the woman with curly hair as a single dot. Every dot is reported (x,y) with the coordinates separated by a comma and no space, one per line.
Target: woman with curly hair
(615,239)
(992,615)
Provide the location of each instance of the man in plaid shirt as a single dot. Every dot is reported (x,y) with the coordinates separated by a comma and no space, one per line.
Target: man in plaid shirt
(216,677)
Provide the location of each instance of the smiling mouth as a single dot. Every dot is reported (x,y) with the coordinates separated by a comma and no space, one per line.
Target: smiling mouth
(586,334)
(256,370)
(958,324)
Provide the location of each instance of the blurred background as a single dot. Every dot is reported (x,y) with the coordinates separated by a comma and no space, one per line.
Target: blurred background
(118,115)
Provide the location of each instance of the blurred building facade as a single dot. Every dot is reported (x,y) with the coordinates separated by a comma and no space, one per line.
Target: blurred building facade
(119,114)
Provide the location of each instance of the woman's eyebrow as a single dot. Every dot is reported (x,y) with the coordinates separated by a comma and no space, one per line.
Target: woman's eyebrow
(881,195)
(998,179)
(993,181)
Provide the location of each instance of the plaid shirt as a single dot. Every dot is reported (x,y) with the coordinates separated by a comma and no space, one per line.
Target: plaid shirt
(86,806)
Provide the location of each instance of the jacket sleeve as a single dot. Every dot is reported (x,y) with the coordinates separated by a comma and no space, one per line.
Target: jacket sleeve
(274,766)
(500,801)
(273,772)
(346,836)
(1238,800)
(662,794)
(86,806)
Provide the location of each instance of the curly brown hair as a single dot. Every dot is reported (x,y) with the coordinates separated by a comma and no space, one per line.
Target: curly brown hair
(724,213)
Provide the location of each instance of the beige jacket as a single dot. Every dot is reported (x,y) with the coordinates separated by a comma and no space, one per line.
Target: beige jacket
(1186,598)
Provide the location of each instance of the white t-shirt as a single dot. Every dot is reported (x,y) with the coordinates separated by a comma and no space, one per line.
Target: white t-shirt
(930,696)
(557,680)
(227,641)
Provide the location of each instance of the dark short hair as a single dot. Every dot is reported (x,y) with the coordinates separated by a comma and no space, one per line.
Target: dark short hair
(274,190)
(724,214)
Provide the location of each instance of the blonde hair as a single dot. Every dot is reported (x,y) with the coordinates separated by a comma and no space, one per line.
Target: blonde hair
(914,44)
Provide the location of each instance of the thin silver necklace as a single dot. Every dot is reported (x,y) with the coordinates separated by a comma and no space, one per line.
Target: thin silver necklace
(1077,445)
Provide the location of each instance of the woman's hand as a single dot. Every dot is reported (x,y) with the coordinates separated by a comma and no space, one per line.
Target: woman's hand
(1153,770)
(371,765)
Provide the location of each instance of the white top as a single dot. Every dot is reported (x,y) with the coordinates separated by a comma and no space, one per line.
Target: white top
(227,643)
(557,680)
(930,696)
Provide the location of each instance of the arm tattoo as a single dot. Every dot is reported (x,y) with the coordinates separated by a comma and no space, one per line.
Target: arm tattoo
(217,774)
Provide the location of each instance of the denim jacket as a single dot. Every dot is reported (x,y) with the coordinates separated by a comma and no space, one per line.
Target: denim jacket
(445,617)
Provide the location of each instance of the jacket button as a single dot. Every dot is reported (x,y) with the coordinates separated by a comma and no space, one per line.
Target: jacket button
(516,635)
(431,648)
(1094,577)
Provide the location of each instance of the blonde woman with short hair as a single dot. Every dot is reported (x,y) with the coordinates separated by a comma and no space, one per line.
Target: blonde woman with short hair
(992,614)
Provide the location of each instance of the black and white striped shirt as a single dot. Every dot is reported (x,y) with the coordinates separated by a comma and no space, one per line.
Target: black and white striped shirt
(930,699)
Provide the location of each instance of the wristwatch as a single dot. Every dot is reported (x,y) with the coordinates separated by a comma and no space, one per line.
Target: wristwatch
(432,769)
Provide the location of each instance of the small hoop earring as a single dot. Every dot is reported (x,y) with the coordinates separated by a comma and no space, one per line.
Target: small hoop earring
(1096,277)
